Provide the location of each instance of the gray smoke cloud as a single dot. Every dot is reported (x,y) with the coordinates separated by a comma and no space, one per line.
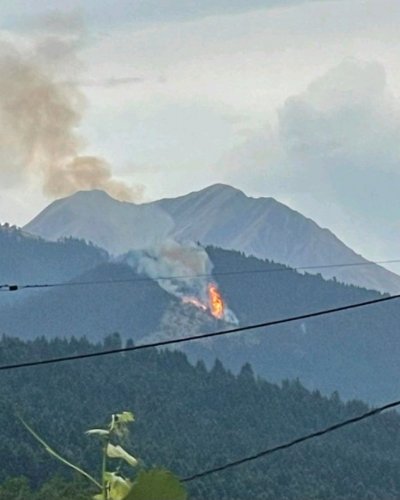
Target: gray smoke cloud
(187,267)
(40,114)
(181,263)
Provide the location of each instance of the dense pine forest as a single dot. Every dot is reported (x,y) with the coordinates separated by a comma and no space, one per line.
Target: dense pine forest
(188,419)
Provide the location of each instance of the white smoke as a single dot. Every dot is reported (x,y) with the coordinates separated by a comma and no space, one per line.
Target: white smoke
(184,271)
(187,268)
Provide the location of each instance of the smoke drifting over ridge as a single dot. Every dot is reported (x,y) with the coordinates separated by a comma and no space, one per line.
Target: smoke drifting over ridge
(175,260)
(39,118)
(189,271)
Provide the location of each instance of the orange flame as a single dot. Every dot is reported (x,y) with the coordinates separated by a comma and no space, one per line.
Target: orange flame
(217,305)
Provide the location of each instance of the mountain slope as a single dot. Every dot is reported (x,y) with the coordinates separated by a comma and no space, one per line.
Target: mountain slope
(132,309)
(225,217)
(28,259)
(219,215)
(111,224)
(355,352)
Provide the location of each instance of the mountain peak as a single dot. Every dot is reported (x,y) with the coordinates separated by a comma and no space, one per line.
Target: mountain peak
(218,215)
(220,188)
(91,195)
(97,217)
(217,190)
(226,191)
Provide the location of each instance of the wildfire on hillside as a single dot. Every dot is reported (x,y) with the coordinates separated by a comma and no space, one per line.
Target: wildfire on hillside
(215,305)
(194,302)
(216,302)
(183,271)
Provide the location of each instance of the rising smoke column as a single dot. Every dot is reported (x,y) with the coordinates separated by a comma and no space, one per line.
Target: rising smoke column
(40,112)
(180,263)
(183,270)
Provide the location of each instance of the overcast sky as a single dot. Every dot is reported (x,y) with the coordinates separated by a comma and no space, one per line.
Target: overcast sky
(298,100)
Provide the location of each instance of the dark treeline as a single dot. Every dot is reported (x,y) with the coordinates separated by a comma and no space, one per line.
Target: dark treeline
(57,488)
(30,259)
(188,418)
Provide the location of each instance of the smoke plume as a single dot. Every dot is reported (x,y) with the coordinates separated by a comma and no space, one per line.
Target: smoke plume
(187,267)
(182,270)
(40,113)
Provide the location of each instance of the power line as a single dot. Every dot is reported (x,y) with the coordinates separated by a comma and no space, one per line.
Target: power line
(191,338)
(295,442)
(16,287)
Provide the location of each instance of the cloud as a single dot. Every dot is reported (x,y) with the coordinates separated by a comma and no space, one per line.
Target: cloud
(341,139)
(337,144)
(174,10)
(346,119)
(104,13)
(111,82)
(62,23)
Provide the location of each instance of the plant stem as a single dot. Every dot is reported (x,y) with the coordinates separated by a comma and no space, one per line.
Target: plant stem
(104,469)
(56,455)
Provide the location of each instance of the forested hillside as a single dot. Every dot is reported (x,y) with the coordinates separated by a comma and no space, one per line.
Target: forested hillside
(189,419)
(26,258)
(355,352)
(134,309)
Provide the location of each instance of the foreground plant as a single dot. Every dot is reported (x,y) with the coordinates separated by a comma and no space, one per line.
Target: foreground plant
(154,484)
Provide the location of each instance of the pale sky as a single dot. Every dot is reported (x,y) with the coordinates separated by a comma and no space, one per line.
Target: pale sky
(298,100)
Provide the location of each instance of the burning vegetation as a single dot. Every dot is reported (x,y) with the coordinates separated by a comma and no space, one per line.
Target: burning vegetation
(215,306)
(183,270)
(216,302)
(194,302)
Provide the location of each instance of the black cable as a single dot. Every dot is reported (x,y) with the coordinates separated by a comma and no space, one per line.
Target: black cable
(181,340)
(15,287)
(289,444)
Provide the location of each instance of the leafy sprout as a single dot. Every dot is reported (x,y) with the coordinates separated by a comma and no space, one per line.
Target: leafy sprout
(154,484)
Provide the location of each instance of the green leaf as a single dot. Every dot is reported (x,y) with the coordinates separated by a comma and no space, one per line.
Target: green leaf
(157,484)
(99,432)
(119,452)
(120,421)
(125,417)
(119,487)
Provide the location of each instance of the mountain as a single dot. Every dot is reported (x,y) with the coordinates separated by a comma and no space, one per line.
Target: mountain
(225,217)
(31,259)
(111,224)
(188,419)
(218,215)
(118,300)
(118,304)
(355,352)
